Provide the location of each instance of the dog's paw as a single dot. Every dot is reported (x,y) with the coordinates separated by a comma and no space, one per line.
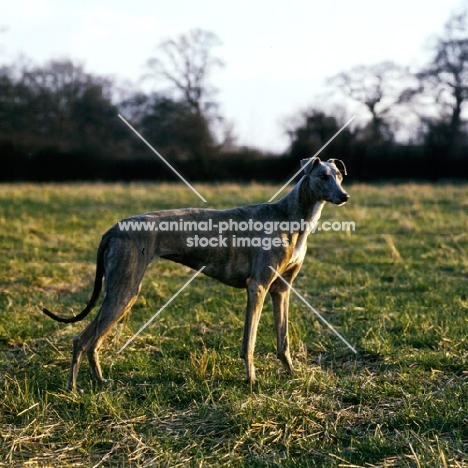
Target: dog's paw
(99,384)
(106,382)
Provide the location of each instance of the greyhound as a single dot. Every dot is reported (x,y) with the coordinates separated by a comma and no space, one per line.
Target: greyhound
(123,256)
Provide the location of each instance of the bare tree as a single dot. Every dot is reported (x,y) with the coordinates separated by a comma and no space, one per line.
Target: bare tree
(445,80)
(186,64)
(379,88)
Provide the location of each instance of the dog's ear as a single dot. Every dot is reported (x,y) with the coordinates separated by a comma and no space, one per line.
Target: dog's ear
(339,164)
(309,164)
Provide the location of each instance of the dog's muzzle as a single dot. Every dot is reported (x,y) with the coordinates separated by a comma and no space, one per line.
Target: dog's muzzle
(340,200)
(344,198)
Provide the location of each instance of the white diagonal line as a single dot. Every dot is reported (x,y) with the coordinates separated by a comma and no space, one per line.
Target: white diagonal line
(161,309)
(316,154)
(314,311)
(157,154)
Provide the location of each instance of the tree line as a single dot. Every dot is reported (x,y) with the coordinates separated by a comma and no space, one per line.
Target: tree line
(59,122)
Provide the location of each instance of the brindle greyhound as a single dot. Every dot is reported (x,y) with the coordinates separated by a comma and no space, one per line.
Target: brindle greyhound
(123,256)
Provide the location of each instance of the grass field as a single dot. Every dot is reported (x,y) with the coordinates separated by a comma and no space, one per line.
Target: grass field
(396,288)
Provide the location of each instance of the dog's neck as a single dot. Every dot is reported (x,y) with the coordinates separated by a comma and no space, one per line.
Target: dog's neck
(302,204)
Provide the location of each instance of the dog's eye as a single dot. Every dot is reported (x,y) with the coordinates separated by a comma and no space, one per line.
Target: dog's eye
(324,176)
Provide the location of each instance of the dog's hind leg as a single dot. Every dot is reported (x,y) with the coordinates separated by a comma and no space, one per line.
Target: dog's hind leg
(102,330)
(90,339)
(123,279)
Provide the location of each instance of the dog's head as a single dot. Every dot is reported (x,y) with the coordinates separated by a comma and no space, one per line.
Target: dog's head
(325,179)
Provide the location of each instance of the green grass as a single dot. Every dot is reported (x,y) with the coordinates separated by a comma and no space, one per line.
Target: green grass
(396,288)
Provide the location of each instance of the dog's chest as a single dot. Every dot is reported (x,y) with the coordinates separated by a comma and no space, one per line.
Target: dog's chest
(300,248)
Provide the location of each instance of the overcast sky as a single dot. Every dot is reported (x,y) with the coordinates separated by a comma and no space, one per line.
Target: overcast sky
(277,53)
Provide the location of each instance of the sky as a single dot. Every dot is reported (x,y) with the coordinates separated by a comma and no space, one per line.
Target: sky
(278,54)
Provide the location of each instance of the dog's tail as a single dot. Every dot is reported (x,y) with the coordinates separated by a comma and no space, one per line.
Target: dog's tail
(96,291)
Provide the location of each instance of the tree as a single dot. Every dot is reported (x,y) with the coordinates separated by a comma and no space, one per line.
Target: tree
(186,63)
(170,125)
(58,107)
(309,130)
(444,85)
(67,102)
(380,89)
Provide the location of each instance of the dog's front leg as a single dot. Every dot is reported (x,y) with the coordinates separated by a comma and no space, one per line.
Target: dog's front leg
(256,292)
(280,291)
(280,297)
